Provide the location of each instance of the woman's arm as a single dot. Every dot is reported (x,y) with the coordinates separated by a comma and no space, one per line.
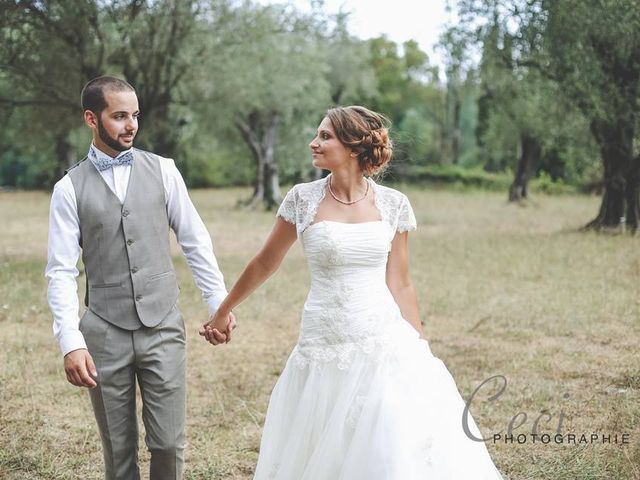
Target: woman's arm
(399,281)
(261,267)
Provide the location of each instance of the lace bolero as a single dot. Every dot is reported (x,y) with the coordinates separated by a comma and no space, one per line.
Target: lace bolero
(301,203)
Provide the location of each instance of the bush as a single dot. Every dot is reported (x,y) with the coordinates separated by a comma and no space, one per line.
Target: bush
(545,184)
(456,175)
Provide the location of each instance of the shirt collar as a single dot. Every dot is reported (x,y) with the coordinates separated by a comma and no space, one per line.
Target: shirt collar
(95,154)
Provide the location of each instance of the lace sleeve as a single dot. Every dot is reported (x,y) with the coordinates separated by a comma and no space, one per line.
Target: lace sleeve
(287,209)
(406,218)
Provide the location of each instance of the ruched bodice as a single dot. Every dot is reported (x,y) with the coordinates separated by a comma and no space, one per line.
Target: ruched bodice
(356,247)
(349,300)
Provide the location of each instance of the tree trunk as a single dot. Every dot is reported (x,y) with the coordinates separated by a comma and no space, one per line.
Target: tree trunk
(258,186)
(620,208)
(530,150)
(272,195)
(65,156)
(455,137)
(453,124)
(160,135)
(163,133)
(259,132)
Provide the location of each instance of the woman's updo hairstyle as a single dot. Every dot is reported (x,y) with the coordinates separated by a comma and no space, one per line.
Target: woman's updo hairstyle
(366,133)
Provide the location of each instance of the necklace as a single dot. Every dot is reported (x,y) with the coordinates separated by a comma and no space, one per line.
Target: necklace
(342,201)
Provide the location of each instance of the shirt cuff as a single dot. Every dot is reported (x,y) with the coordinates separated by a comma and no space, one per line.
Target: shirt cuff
(214,301)
(70,341)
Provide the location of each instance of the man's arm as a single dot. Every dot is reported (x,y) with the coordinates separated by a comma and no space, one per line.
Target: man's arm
(62,292)
(193,237)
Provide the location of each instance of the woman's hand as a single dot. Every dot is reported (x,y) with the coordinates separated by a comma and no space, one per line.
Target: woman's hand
(218,329)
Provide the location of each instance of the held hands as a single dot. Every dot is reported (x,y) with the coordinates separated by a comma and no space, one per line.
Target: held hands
(218,329)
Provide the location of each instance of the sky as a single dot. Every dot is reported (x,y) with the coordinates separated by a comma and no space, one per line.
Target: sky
(399,20)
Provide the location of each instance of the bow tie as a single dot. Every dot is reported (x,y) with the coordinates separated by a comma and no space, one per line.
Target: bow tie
(104,163)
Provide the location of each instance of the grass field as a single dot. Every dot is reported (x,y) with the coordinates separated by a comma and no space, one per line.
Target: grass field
(508,290)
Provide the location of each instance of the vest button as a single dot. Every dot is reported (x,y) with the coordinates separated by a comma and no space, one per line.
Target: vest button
(125,213)
(134,269)
(138,298)
(129,242)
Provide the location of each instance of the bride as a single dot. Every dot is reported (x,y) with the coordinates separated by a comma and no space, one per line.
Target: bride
(361,396)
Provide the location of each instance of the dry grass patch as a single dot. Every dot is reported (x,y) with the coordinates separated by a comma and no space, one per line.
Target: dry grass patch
(504,290)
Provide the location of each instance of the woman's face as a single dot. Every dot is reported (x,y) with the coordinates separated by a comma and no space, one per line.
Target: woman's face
(327,150)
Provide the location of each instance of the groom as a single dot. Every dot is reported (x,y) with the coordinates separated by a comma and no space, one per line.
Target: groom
(116,207)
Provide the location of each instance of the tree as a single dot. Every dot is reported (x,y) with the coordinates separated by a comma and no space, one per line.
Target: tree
(454,67)
(591,51)
(408,93)
(594,53)
(50,50)
(156,46)
(518,95)
(349,73)
(263,72)
(390,71)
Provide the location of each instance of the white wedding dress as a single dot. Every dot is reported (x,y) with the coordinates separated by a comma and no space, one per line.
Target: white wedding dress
(361,396)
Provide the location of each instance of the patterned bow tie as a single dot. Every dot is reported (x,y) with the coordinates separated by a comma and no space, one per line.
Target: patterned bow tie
(103,162)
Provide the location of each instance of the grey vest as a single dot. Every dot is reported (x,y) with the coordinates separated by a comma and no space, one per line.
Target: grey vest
(125,247)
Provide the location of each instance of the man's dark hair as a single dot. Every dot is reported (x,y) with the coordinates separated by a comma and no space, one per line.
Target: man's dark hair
(93,92)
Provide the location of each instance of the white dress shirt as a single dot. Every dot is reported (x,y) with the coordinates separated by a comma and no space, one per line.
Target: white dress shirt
(64,245)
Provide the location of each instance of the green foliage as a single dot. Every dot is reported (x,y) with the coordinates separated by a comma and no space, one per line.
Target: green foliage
(201,67)
(460,176)
(23,170)
(350,72)
(415,139)
(252,59)
(206,162)
(545,184)
(155,45)
(516,98)
(566,76)
(409,94)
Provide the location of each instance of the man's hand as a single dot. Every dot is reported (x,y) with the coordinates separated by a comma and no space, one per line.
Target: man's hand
(218,329)
(79,367)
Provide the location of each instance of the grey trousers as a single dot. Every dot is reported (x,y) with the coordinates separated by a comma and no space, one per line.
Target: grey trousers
(156,358)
